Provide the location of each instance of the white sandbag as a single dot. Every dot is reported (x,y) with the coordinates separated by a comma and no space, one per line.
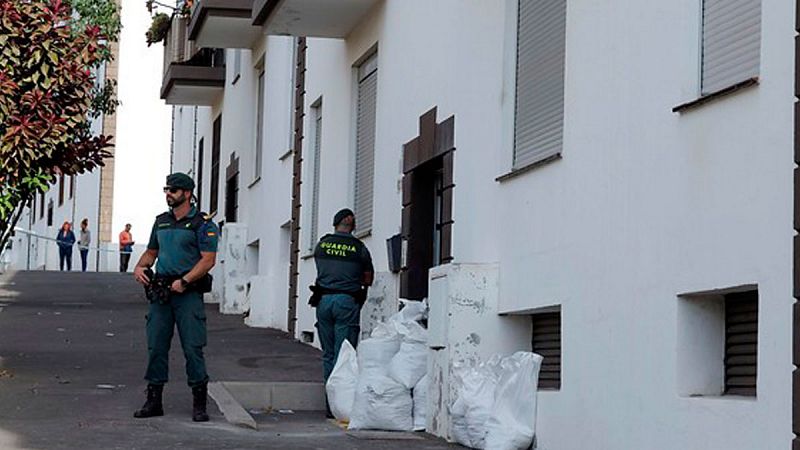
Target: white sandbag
(420,397)
(381,404)
(412,311)
(375,353)
(410,363)
(512,424)
(341,385)
(475,401)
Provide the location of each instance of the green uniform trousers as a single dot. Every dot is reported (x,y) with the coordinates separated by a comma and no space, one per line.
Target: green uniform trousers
(188,313)
(338,318)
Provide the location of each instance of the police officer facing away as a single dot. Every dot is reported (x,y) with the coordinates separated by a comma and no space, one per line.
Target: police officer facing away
(183,245)
(344,269)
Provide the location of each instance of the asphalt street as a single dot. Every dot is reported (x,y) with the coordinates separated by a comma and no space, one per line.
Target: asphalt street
(72,357)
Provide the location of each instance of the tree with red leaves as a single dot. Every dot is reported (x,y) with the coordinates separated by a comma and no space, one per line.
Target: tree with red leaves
(49,53)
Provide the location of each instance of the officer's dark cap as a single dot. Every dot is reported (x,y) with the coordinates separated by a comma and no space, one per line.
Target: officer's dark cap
(341,215)
(181,181)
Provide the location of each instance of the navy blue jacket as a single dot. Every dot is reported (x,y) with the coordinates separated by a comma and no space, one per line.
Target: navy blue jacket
(65,242)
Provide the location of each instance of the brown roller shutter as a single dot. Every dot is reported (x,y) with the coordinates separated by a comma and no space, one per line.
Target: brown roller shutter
(547,343)
(741,343)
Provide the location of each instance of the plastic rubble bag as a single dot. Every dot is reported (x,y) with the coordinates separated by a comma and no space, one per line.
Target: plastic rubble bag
(475,401)
(412,311)
(341,385)
(512,424)
(420,397)
(381,403)
(410,363)
(376,352)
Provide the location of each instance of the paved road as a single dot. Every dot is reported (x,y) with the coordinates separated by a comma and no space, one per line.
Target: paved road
(72,356)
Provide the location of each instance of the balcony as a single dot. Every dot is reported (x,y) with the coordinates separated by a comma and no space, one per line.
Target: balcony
(311,18)
(192,76)
(223,24)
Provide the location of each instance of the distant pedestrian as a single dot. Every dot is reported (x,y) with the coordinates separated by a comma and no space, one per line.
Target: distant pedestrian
(65,241)
(125,247)
(84,242)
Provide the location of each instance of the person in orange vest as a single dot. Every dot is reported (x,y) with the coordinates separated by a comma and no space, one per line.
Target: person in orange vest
(125,247)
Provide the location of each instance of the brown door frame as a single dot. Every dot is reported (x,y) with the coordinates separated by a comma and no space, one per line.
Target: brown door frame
(434,148)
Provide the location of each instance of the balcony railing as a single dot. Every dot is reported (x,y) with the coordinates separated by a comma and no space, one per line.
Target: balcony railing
(192,75)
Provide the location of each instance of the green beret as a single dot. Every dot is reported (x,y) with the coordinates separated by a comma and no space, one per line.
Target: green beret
(181,181)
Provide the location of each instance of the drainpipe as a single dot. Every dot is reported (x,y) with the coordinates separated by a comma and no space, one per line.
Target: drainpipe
(195,170)
(294,252)
(172,143)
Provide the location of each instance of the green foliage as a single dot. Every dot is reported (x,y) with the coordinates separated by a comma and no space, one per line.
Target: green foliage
(48,94)
(158,29)
(104,14)
(161,23)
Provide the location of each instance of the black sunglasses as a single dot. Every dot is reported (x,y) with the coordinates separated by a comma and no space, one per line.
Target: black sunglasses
(171,190)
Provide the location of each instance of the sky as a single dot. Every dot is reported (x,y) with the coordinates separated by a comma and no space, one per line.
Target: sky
(143,132)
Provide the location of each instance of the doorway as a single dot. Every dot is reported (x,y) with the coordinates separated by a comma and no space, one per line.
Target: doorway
(427,223)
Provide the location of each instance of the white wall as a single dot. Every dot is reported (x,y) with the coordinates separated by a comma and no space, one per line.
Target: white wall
(645,204)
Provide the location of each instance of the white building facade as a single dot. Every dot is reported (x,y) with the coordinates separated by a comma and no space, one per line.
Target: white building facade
(605,184)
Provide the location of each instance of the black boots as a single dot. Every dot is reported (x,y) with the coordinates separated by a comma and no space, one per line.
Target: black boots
(200,397)
(153,406)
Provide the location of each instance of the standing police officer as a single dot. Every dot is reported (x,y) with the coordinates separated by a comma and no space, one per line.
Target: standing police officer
(184,244)
(344,269)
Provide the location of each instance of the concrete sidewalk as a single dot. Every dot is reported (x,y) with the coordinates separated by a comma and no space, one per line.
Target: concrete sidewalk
(72,356)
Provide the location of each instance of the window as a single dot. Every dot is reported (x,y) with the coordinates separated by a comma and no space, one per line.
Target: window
(215,150)
(316,117)
(718,342)
(32,205)
(200,146)
(547,343)
(237,65)
(72,186)
(741,343)
(539,110)
(293,99)
(365,142)
(232,190)
(259,124)
(731,43)
(41,205)
(61,189)
(50,213)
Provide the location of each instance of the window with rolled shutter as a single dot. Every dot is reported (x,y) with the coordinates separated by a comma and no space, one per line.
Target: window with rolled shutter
(731,43)
(259,125)
(365,142)
(216,140)
(547,343)
(317,157)
(539,111)
(741,343)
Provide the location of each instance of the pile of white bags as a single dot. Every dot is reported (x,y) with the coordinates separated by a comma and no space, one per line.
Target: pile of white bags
(495,408)
(372,388)
(341,386)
